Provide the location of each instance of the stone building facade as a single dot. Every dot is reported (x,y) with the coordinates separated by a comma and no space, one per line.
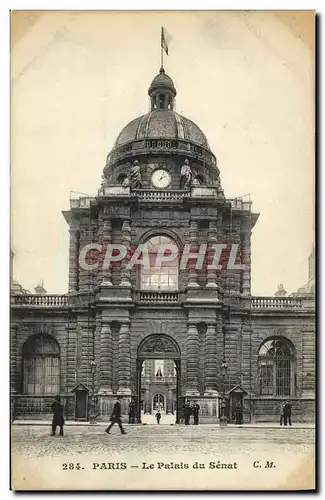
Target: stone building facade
(161,186)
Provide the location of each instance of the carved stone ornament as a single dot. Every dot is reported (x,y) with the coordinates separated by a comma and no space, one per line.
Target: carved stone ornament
(135,175)
(158,344)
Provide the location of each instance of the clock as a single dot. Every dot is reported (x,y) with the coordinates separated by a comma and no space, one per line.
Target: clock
(161,178)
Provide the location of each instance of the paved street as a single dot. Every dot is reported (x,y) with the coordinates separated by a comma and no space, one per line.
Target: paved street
(33,449)
(36,440)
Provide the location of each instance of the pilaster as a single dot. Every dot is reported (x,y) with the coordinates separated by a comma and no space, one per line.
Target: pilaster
(124,355)
(212,240)
(126,241)
(246,258)
(210,372)
(107,239)
(106,359)
(193,240)
(73,260)
(192,360)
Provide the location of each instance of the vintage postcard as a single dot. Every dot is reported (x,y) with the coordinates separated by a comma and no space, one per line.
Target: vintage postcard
(162,250)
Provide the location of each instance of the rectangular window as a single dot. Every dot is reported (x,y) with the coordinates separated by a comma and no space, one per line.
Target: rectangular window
(283,377)
(266,369)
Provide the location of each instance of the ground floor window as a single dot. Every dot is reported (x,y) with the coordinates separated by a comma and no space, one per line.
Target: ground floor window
(276,368)
(41,362)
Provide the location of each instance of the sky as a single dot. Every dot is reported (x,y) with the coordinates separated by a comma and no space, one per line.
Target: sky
(246,78)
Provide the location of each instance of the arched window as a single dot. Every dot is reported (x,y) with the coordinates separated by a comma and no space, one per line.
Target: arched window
(164,276)
(276,367)
(41,360)
(121,178)
(199,179)
(159,402)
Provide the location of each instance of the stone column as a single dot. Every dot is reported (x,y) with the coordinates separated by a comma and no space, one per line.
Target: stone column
(246,257)
(170,400)
(106,359)
(107,239)
(212,240)
(236,274)
(192,360)
(73,260)
(126,241)
(84,274)
(146,402)
(124,359)
(210,372)
(97,348)
(193,240)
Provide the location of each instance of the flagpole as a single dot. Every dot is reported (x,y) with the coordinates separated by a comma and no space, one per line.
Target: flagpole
(161,49)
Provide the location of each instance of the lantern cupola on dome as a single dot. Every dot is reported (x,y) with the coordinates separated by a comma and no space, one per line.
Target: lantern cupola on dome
(162,92)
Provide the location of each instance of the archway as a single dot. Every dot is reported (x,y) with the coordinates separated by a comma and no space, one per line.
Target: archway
(159,347)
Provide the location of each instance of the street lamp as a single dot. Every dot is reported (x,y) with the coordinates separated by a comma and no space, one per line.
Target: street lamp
(92,414)
(223,419)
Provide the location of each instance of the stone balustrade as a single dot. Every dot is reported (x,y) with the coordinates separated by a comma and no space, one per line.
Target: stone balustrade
(276,302)
(158,297)
(153,195)
(39,300)
(151,297)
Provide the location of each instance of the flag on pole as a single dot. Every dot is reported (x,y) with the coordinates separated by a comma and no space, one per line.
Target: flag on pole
(165,39)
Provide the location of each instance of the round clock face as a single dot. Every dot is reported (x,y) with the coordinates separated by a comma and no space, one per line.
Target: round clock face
(161,178)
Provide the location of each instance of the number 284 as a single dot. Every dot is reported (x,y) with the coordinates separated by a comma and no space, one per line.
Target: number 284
(71,466)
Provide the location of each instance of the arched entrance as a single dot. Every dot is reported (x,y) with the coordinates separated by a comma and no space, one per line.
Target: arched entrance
(162,347)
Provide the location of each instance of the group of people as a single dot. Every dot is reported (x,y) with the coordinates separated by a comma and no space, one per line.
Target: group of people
(191,408)
(285,413)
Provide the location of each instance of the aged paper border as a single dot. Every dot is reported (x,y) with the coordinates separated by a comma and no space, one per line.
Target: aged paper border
(302,466)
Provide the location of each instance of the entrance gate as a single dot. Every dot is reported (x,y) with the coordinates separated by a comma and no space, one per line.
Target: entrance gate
(159,346)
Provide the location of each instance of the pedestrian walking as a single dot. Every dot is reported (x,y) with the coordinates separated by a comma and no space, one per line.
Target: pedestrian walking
(287,413)
(58,419)
(158,416)
(116,416)
(195,412)
(187,412)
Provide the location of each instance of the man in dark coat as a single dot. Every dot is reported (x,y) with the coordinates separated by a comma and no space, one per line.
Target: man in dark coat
(287,413)
(58,419)
(195,411)
(187,413)
(116,416)
(132,412)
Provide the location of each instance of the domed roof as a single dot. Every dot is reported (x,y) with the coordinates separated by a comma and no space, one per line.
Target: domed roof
(162,81)
(162,123)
